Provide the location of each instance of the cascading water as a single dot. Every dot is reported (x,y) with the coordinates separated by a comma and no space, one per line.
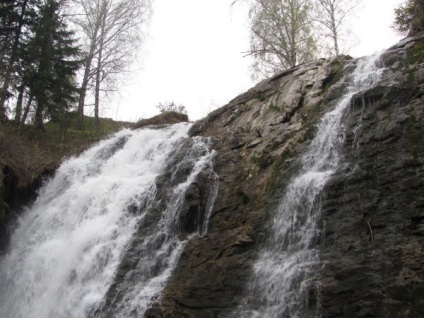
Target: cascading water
(287,269)
(64,256)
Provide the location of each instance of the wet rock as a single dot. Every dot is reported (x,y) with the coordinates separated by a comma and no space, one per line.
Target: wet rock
(372,247)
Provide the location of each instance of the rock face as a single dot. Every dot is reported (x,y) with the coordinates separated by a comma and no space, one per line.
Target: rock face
(374,231)
(372,208)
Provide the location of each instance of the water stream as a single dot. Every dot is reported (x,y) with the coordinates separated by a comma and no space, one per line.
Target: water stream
(285,280)
(104,235)
(65,253)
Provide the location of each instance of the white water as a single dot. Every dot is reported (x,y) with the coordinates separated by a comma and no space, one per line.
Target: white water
(159,251)
(64,254)
(286,272)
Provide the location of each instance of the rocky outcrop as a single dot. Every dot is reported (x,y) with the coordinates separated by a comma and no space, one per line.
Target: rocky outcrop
(372,219)
(165,118)
(373,211)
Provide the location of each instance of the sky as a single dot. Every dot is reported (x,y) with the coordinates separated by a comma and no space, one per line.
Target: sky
(193,55)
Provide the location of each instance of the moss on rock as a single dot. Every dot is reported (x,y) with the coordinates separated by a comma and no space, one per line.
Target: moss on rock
(2,204)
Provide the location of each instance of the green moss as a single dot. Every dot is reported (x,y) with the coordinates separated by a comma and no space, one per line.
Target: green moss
(256,114)
(335,74)
(2,204)
(411,80)
(242,198)
(273,107)
(416,54)
(246,128)
(262,97)
(414,136)
(262,160)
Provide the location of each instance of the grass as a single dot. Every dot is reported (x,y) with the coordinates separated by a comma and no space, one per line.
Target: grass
(28,152)
(273,107)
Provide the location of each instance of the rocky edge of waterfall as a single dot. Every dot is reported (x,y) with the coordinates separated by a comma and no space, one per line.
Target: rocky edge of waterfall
(372,243)
(372,209)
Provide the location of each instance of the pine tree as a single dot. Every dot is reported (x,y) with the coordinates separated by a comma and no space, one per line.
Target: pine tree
(409,17)
(17,22)
(55,63)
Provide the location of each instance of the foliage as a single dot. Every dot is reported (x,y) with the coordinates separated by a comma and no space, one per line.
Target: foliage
(39,57)
(40,61)
(409,17)
(171,107)
(274,108)
(281,35)
(54,64)
(286,33)
(112,33)
(17,18)
(331,16)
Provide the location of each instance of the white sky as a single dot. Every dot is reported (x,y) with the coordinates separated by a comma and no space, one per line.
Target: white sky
(193,55)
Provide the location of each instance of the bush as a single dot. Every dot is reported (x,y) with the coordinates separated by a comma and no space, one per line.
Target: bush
(171,107)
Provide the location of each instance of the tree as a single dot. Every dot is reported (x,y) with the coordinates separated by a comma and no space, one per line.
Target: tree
(15,16)
(112,33)
(331,15)
(409,17)
(281,34)
(55,64)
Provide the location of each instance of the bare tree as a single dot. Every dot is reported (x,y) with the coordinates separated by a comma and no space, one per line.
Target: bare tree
(89,22)
(281,34)
(113,33)
(332,15)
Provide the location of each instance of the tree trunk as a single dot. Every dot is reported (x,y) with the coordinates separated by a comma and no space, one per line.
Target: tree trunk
(99,69)
(97,90)
(85,80)
(38,119)
(334,30)
(81,101)
(18,110)
(87,71)
(27,109)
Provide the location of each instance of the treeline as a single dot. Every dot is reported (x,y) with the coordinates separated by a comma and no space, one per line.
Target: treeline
(286,33)
(61,55)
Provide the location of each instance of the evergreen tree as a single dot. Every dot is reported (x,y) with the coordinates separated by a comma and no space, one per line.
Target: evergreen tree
(16,17)
(409,17)
(54,64)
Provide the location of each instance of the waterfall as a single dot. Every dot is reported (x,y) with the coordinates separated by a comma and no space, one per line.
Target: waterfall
(285,275)
(69,247)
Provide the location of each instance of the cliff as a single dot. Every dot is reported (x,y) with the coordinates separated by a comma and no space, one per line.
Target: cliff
(371,221)
(369,232)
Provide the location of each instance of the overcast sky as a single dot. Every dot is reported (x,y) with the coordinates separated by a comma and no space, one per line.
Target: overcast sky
(194,55)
